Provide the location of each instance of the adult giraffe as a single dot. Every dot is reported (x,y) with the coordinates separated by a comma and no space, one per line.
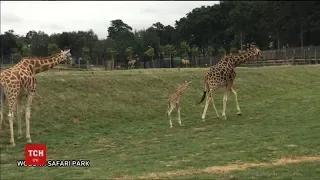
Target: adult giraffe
(223,74)
(20,80)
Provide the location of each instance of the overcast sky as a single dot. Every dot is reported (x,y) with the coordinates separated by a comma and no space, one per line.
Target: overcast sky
(58,16)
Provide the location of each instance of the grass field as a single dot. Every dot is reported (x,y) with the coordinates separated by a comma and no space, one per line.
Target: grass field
(117,120)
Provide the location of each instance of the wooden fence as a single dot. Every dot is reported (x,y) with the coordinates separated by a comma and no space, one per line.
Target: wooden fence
(271,58)
(290,56)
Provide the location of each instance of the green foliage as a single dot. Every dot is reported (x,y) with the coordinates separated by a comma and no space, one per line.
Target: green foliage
(224,25)
(117,27)
(129,53)
(169,49)
(86,54)
(185,48)
(221,50)
(53,49)
(26,51)
(211,50)
(150,52)
(111,52)
(195,51)
(233,50)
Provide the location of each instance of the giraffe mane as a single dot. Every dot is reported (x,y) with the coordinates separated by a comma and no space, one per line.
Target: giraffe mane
(41,58)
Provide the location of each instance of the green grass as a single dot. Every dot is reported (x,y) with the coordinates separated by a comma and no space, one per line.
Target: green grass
(117,120)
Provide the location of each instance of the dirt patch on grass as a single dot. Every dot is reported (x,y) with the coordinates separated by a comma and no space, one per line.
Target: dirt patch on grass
(231,167)
(200,129)
(106,142)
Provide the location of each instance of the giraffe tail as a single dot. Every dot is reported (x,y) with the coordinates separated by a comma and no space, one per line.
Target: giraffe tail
(2,96)
(204,93)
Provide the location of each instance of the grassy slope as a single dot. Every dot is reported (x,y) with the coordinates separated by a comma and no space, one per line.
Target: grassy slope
(117,120)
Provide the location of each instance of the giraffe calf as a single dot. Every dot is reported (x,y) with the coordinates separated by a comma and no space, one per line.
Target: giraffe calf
(174,101)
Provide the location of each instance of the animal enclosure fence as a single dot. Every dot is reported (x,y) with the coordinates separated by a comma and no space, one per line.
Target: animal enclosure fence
(289,56)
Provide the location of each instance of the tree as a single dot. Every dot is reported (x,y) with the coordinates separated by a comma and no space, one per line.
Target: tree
(112,52)
(9,43)
(53,49)
(169,50)
(159,28)
(274,20)
(211,50)
(241,20)
(116,27)
(169,36)
(150,53)
(129,53)
(195,52)
(85,55)
(26,51)
(38,42)
(185,49)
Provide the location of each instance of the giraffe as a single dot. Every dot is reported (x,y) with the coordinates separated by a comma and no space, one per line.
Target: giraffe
(223,74)
(19,81)
(174,101)
(185,62)
(131,63)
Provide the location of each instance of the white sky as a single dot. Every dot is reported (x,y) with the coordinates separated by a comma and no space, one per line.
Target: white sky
(58,16)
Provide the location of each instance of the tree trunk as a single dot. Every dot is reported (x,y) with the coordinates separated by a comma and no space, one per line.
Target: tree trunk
(241,41)
(87,62)
(278,39)
(301,36)
(210,59)
(194,57)
(170,61)
(112,64)
(152,62)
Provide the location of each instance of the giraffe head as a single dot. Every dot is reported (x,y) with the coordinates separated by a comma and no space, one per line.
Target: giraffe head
(66,55)
(188,82)
(255,50)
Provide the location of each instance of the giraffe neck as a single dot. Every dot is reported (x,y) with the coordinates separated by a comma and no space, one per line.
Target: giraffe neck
(182,87)
(46,63)
(242,57)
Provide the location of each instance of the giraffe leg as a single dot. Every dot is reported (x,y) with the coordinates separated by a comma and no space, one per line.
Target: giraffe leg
(179,114)
(214,107)
(206,108)
(236,98)
(19,112)
(12,106)
(225,99)
(169,115)
(28,114)
(1,111)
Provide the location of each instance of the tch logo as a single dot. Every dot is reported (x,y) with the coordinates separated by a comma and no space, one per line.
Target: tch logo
(36,155)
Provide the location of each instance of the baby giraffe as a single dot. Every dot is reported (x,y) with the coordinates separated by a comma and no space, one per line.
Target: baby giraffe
(174,100)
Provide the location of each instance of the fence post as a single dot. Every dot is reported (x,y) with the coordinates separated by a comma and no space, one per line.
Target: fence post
(304,56)
(264,58)
(315,56)
(285,57)
(274,57)
(309,57)
(294,57)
